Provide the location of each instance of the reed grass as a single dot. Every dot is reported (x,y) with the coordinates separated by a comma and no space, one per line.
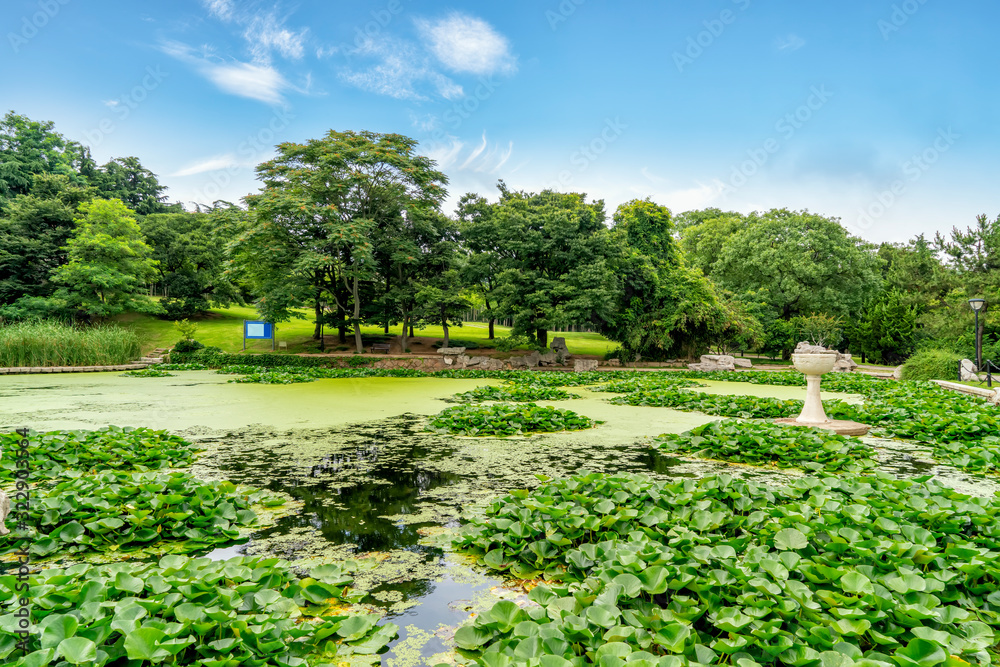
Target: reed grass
(56,344)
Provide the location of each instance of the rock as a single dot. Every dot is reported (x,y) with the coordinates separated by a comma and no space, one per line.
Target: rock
(845,364)
(449,360)
(547,359)
(968,372)
(4,511)
(451,351)
(517,362)
(488,364)
(558,346)
(462,361)
(614,362)
(475,361)
(742,363)
(898,373)
(805,348)
(532,359)
(584,365)
(714,362)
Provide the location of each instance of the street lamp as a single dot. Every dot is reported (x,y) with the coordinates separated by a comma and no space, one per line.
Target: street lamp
(977,305)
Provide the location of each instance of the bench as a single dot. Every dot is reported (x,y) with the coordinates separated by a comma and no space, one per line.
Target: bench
(383,347)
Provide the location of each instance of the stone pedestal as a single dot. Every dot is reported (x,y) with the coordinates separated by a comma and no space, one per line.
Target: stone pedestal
(813,364)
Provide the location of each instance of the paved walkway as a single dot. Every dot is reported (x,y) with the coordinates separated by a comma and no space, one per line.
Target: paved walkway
(23,370)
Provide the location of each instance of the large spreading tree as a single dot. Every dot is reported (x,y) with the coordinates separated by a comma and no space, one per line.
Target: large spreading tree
(312,229)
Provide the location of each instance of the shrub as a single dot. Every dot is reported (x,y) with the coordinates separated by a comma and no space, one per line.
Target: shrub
(187,345)
(186,328)
(509,343)
(467,344)
(932,365)
(48,343)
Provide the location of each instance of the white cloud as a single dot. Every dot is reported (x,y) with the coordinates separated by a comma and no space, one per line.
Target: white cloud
(790,42)
(214,163)
(463,43)
(222,9)
(399,72)
(267,33)
(484,158)
(255,81)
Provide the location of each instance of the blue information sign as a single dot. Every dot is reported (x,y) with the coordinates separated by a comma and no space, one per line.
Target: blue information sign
(257,329)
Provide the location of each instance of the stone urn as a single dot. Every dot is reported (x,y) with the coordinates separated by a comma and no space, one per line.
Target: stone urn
(813,365)
(813,361)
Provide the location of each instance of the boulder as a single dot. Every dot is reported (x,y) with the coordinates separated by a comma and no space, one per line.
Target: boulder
(488,364)
(451,351)
(614,362)
(845,364)
(806,348)
(898,373)
(584,365)
(548,359)
(742,363)
(558,347)
(517,362)
(714,362)
(968,372)
(532,359)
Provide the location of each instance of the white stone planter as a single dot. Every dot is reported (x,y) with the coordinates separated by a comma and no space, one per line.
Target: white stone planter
(813,366)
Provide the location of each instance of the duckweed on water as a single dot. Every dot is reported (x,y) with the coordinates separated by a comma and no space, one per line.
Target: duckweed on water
(244,611)
(866,571)
(503,420)
(723,405)
(54,453)
(759,443)
(182,367)
(115,511)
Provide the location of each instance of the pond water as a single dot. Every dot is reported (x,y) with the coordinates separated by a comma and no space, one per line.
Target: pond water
(368,483)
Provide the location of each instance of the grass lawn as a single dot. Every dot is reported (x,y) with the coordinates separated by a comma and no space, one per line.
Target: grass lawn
(222,328)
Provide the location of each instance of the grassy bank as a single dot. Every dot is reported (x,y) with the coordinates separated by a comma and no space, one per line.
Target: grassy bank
(222,328)
(53,344)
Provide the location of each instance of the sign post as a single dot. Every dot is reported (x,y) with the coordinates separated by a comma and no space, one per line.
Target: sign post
(257,330)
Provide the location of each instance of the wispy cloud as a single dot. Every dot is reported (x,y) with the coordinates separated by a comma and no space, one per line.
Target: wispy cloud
(483,158)
(463,43)
(252,80)
(406,70)
(790,42)
(208,164)
(264,32)
(399,71)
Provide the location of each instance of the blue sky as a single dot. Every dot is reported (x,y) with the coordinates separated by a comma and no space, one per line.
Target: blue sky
(880,112)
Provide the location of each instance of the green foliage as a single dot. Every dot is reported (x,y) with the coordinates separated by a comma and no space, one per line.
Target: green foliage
(54,454)
(759,443)
(119,511)
(186,328)
(186,346)
(183,611)
(886,329)
(747,407)
(182,367)
(819,329)
(647,383)
(932,365)
(870,571)
(54,344)
(502,420)
(511,342)
(109,263)
(151,372)
(517,393)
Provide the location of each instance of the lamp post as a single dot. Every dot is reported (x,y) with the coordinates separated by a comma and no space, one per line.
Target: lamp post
(977,305)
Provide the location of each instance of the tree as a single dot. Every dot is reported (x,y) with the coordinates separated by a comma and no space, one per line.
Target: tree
(885,330)
(125,178)
(441,292)
(705,235)
(554,248)
(481,240)
(661,308)
(33,236)
(190,252)
(30,147)
(313,226)
(804,263)
(109,263)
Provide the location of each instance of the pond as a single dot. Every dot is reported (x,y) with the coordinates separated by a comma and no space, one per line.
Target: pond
(368,482)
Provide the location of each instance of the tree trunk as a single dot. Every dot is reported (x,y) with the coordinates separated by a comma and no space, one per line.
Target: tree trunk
(491,318)
(403,338)
(492,322)
(317,332)
(444,325)
(542,337)
(342,331)
(411,329)
(356,320)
